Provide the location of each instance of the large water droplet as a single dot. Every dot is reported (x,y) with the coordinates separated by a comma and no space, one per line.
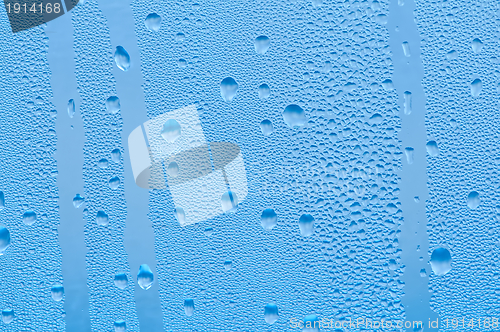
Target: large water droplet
(440,261)
(145,277)
(171,130)
(432,148)
(4,239)
(473,200)
(294,116)
(180,215)
(122,59)
(271,313)
(57,292)
(266,127)
(229,202)
(228,88)
(7,315)
(388,85)
(102,218)
(29,217)
(120,326)
(2,200)
(153,22)
(262,44)
(306,225)
(173,169)
(121,280)
(475,87)
(71,108)
(477,45)
(264,91)
(116,155)
(78,201)
(113,105)
(189,307)
(268,219)
(114,182)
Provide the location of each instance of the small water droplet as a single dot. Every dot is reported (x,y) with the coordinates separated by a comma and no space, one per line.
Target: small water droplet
(145,277)
(440,261)
(266,127)
(209,231)
(262,44)
(120,326)
(311,323)
(29,217)
(71,108)
(121,280)
(116,155)
(268,219)
(103,163)
(171,130)
(409,155)
(476,87)
(7,316)
(228,89)
(182,63)
(173,169)
(122,59)
(406,49)
(432,148)
(180,37)
(229,202)
(114,182)
(473,200)
(375,119)
(423,273)
(264,91)
(113,105)
(189,307)
(416,199)
(407,102)
(180,215)
(381,19)
(294,116)
(78,201)
(4,239)
(228,265)
(477,45)
(57,292)
(102,218)
(306,225)
(388,85)
(271,313)
(153,22)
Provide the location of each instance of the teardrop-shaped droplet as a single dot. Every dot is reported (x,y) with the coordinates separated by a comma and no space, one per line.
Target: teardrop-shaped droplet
(145,277)
(122,59)
(171,130)
(113,105)
(262,44)
(102,218)
(266,127)
(7,316)
(78,201)
(153,22)
(271,313)
(121,280)
(306,225)
(228,89)
(268,219)
(114,182)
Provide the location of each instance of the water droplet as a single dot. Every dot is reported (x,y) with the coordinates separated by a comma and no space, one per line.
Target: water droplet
(180,215)
(114,182)
(264,91)
(4,239)
(209,231)
(262,44)
(57,292)
(116,155)
(381,19)
(120,326)
(409,155)
(477,45)
(306,225)
(173,169)
(145,277)
(228,88)
(268,219)
(182,63)
(7,315)
(2,200)
(229,202)
(189,307)
(375,119)
(271,313)
(122,59)
(432,148)
(78,201)
(388,85)
(102,218)
(317,3)
(473,200)
(407,102)
(171,130)
(121,280)
(294,116)
(406,49)
(29,217)
(103,163)
(311,323)
(416,199)
(440,261)
(153,22)
(391,208)
(452,55)
(228,265)
(113,105)
(71,108)
(180,37)
(475,87)
(266,127)
(423,273)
